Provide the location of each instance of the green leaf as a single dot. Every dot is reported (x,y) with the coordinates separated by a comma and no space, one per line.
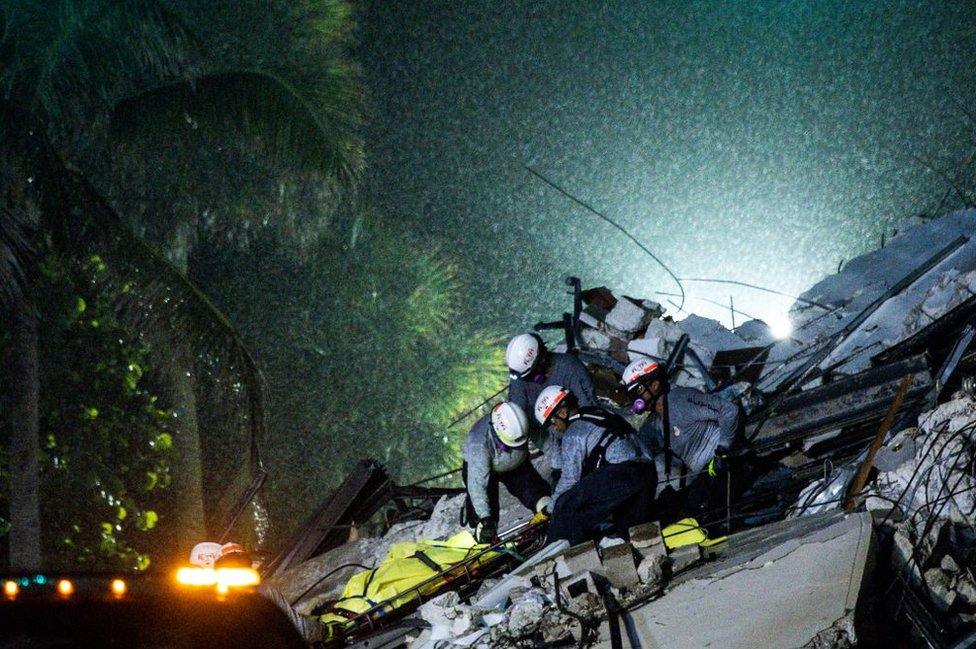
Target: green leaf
(163,442)
(80,305)
(147,520)
(91,413)
(122,513)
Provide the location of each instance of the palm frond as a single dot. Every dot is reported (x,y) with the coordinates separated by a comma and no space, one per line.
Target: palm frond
(61,58)
(318,132)
(153,298)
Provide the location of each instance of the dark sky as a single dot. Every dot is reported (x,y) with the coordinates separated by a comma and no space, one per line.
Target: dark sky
(762,142)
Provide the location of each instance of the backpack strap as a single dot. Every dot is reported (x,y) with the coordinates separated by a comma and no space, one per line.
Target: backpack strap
(615,427)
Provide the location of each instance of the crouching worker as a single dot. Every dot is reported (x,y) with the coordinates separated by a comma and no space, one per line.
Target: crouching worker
(606,485)
(702,432)
(497,451)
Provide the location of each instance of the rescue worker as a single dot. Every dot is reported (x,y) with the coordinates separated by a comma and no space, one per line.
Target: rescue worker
(696,429)
(606,486)
(496,450)
(532,367)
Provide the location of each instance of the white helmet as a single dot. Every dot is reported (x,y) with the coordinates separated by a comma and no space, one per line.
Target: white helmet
(522,354)
(641,370)
(205,554)
(509,422)
(549,399)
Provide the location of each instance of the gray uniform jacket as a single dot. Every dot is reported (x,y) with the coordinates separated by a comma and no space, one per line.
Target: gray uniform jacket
(566,370)
(484,455)
(579,440)
(700,423)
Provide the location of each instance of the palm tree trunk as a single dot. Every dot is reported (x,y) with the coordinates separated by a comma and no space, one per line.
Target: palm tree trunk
(187,466)
(180,371)
(25,510)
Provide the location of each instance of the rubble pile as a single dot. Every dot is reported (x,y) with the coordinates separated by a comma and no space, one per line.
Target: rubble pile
(926,270)
(815,401)
(628,328)
(562,596)
(322,578)
(927,473)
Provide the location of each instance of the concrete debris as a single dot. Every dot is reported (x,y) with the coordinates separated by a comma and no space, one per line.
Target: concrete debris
(840,635)
(620,566)
(446,614)
(837,300)
(634,328)
(628,316)
(525,613)
(936,481)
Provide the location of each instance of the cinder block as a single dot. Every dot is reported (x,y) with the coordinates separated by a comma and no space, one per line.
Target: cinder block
(583,557)
(619,565)
(683,557)
(646,535)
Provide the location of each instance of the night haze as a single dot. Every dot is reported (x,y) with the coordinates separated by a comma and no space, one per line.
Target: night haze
(763,142)
(488,324)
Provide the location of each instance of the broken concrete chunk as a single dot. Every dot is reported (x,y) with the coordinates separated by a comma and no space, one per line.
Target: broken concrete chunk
(583,557)
(683,557)
(949,564)
(595,339)
(558,629)
(940,586)
(653,308)
(650,570)
(593,316)
(525,614)
(576,585)
(645,348)
(628,316)
(619,565)
(966,590)
(646,535)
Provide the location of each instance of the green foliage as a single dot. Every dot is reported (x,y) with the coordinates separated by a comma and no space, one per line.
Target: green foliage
(104,441)
(364,355)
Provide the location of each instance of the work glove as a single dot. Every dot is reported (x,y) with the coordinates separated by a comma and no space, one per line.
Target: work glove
(486,530)
(719,463)
(543,506)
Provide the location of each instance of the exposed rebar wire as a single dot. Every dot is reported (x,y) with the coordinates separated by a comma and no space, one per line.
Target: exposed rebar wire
(616,225)
(734,282)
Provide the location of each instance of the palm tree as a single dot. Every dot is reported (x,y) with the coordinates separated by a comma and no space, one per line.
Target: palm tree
(63,63)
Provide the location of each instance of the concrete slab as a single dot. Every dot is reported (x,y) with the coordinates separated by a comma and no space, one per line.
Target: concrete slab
(777,591)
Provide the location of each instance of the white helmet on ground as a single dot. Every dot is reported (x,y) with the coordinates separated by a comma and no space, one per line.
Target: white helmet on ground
(522,354)
(549,399)
(510,424)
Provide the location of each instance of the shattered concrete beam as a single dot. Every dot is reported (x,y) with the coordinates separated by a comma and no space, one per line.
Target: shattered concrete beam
(361,494)
(852,400)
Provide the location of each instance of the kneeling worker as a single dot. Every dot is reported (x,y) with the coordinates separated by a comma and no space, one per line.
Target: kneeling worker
(497,451)
(605,481)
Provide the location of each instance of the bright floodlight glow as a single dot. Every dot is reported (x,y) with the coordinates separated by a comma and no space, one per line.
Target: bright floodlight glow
(780,326)
(10,589)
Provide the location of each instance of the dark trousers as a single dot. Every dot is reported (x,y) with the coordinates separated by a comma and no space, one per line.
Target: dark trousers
(707,498)
(523,482)
(621,495)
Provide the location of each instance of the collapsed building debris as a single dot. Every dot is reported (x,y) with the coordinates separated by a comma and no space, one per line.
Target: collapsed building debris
(795,569)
